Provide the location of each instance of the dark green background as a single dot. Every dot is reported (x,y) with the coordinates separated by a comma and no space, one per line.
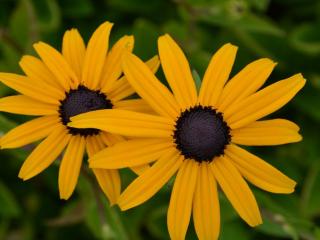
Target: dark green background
(288,31)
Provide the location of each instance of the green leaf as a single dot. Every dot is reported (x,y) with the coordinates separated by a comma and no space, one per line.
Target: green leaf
(19,25)
(6,124)
(103,220)
(81,8)
(145,39)
(47,14)
(306,38)
(10,207)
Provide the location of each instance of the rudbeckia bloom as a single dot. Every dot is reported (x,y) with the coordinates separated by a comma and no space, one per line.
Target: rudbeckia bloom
(197,136)
(60,86)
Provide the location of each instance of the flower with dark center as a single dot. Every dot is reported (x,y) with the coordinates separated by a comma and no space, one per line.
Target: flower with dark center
(59,86)
(82,100)
(201,134)
(196,135)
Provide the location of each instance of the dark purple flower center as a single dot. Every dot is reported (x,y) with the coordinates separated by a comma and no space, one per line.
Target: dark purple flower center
(201,134)
(82,100)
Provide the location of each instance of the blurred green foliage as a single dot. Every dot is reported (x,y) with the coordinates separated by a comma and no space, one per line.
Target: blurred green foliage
(285,30)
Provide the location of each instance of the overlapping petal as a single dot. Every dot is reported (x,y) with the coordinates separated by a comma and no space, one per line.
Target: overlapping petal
(125,123)
(149,87)
(147,184)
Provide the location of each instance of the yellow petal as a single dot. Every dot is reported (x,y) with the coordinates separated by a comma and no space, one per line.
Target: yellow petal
(111,139)
(73,50)
(112,67)
(57,65)
(122,88)
(246,82)
(150,182)
(109,180)
(130,153)
(206,209)
(34,68)
(153,64)
(177,71)
(217,74)
(29,132)
(125,123)
(149,87)
(140,169)
(32,88)
(95,56)
(119,90)
(236,190)
(135,105)
(264,102)
(180,206)
(21,104)
(259,172)
(268,132)
(70,166)
(45,153)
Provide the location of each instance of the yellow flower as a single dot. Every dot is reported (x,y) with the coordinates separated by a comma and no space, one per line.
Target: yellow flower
(197,136)
(60,86)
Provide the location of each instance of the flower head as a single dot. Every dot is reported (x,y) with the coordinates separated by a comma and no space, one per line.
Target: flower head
(197,136)
(58,86)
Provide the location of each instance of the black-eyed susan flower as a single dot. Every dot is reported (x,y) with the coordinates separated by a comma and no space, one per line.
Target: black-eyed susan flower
(197,135)
(59,86)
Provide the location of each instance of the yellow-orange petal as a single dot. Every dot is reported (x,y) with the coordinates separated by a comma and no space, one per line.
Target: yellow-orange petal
(236,190)
(217,74)
(57,65)
(73,50)
(150,182)
(108,179)
(32,88)
(45,153)
(34,68)
(21,104)
(29,132)
(246,82)
(259,172)
(263,102)
(112,66)
(130,153)
(180,206)
(149,87)
(177,71)
(206,208)
(135,105)
(267,132)
(122,88)
(125,123)
(95,56)
(70,166)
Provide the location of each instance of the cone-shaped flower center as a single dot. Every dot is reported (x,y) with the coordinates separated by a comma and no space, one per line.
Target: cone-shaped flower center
(201,133)
(82,100)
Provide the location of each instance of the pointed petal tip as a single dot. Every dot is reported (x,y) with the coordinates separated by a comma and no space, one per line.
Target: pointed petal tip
(64,196)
